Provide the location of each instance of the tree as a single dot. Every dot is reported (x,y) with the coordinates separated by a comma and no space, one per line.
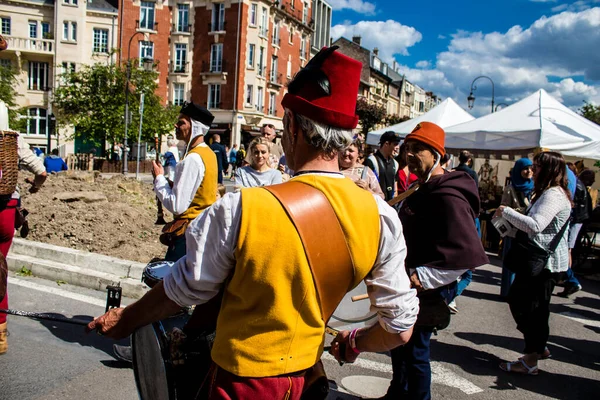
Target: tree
(93,100)
(591,112)
(369,115)
(394,119)
(8,94)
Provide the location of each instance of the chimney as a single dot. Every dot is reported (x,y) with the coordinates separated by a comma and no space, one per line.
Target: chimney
(376,51)
(356,39)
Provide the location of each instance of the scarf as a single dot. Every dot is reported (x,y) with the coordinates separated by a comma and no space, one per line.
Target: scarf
(521,184)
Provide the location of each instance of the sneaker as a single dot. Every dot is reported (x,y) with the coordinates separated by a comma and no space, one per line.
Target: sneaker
(452,307)
(569,290)
(122,353)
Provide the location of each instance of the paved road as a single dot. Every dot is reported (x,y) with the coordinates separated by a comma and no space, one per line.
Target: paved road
(58,361)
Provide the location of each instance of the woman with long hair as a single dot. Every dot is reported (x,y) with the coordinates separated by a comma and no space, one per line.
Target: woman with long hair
(258,173)
(529,296)
(360,174)
(405,177)
(517,195)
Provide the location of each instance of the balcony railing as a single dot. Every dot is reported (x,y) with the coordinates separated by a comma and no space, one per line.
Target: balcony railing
(275,78)
(177,28)
(179,68)
(45,46)
(214,67)
(216,27)
(148,27)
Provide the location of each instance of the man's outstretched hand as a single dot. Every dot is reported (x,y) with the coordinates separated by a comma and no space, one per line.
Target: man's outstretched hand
(341,350)
(110,324)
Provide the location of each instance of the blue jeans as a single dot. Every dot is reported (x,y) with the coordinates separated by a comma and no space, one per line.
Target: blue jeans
(570,279)
(465,280)
(411,367)
(507,275)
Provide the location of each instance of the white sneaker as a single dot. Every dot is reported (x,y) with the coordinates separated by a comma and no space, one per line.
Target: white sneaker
(452,307)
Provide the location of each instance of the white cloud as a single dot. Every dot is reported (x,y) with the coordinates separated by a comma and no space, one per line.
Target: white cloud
(556,53)
(576,6)
(363,7)
(378,34)
(441,37)
(543,1)
(424,64)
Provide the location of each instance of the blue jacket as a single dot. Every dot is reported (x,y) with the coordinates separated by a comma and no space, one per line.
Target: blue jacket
(54,164)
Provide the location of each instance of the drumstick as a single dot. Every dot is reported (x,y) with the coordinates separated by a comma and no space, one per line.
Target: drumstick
(360,297)
(47,317)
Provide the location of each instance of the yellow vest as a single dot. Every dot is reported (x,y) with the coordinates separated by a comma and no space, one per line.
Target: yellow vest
(207,192)
(270,321)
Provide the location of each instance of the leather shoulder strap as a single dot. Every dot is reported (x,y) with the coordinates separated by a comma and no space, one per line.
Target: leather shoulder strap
(323,240)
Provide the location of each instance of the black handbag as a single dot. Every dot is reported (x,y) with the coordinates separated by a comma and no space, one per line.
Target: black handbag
(526,258)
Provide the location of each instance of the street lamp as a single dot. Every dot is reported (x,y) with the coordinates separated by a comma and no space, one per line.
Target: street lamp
(500,104)
(471,98)
(128,74)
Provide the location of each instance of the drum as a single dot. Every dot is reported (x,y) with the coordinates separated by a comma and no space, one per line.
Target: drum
(353,314)
(156,272)
(150,366)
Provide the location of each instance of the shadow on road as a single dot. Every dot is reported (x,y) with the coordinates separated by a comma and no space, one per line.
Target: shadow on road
(76,334)
(483,295)
(550,384)
(487,277)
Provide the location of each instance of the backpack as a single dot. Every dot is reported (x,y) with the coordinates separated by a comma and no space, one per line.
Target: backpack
(375,161)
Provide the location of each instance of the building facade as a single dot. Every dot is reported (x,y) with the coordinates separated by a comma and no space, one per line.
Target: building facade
(46,39)
(321,15)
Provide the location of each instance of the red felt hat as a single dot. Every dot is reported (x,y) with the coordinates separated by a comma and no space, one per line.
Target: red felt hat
(430,134)
(326,89)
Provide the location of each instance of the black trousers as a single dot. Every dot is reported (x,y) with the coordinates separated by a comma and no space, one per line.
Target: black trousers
(529,300)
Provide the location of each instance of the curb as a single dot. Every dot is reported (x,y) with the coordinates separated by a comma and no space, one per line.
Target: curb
(77,267)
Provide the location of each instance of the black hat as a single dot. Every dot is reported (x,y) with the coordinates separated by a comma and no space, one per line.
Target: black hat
(390,136)
(197,113)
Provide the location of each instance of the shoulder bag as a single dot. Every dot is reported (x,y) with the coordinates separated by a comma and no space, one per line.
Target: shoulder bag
(527,258)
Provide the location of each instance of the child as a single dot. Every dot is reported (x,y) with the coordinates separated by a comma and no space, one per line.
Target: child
(221,189)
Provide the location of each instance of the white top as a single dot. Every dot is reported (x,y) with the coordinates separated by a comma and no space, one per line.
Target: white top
(198,276)
(249,177)
(543,221)
(188,176)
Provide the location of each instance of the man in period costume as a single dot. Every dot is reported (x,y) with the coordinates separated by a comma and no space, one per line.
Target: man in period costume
(270,329)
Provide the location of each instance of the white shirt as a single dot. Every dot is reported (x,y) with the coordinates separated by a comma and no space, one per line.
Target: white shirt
(212,237)
(188,176)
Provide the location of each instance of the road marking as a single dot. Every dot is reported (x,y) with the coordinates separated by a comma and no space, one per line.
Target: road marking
(58,292)
(580,318)
(439,374)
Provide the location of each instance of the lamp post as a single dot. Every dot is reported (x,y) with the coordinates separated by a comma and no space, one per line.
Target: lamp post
(471,98)
(148,65)
(128,76)
(500,104)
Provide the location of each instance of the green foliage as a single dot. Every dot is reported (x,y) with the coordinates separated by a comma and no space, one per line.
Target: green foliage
(93,100)
(394,119)
(24,272)
(591,112)
(370,115)
(8,94)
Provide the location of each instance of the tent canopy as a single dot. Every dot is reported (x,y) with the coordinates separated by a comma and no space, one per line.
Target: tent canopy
(538,120)
(445,114)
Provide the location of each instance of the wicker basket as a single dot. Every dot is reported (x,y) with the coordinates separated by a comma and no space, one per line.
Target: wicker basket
(9,162)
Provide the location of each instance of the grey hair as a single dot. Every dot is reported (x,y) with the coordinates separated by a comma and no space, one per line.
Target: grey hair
(172,142)
(326,139)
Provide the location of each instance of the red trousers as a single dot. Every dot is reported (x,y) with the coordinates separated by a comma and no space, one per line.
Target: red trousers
(227,386)
(7,232)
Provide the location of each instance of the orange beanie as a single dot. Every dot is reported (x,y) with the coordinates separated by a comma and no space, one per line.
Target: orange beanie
(430,134)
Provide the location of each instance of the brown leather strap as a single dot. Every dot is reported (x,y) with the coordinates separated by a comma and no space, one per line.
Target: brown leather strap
(403,195)
(323,239)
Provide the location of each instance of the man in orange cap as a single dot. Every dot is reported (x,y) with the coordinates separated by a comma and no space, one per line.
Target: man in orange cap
(270,328)
(442,243)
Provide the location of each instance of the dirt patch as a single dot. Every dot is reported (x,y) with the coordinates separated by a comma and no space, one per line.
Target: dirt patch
(122,227)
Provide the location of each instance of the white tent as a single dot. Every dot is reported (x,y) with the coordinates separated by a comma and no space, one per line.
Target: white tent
(445,114)
(538,120)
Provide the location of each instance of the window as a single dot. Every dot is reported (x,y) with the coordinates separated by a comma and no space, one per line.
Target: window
(305,12)
(146,50)
(292,3)
(253,11)
(70,31)
(183,17)
(251,50)
(5,26)
(262,29)
(218,17)
(68,67)
(46,31)
(5,63)
(291,39)
(65,30)
(38,76)
(276,41)
(36,121)
(33,29)
(147,15)
(178,94)
(303,48)
(249,93)
(180,57)
(260,99)
(214,96)
(272,104)
(74,31)
(289,68)
(261,62)
(273,77)
(100,40)
(72,2)
(216,57)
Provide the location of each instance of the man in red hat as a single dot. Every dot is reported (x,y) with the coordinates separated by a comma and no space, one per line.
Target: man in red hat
(270,328)
(442,243)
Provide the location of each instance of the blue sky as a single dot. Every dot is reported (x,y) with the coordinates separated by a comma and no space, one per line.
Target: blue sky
(523,45)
